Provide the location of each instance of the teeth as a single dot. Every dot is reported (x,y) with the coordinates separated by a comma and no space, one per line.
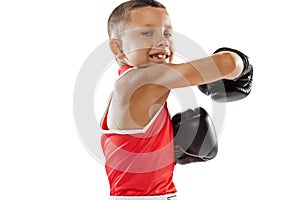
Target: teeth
(159,56)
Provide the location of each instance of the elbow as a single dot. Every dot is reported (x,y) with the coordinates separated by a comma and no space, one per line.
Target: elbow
(231,65)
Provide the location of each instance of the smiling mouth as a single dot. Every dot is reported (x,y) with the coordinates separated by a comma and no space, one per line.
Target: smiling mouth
(160,56)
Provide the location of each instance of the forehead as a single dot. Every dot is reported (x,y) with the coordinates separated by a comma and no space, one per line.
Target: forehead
(148,17)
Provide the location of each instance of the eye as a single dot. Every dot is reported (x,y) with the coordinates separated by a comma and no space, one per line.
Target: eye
(168,34)
(147,33)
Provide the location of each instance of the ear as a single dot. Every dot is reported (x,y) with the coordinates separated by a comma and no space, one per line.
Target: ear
(116,48)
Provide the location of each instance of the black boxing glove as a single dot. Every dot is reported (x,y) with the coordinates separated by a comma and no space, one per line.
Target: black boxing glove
(195,138)
(226,90)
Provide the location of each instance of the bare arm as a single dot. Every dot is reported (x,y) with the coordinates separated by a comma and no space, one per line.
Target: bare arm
(226,65)
(140,93)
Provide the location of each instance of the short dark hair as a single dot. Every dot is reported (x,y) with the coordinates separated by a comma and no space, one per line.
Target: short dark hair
(119,14)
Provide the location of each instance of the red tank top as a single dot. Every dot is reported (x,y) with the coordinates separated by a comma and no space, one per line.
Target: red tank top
(140,162)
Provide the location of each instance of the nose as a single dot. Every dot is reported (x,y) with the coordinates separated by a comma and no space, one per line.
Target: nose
(163,42)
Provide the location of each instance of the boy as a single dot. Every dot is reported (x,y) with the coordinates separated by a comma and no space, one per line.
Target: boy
(137,131)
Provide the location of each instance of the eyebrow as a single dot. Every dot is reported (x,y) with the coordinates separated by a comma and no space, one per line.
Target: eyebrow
(167,27)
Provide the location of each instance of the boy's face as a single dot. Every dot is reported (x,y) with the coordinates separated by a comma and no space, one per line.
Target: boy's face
(147,37)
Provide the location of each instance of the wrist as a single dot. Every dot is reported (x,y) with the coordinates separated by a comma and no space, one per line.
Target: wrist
(238,66)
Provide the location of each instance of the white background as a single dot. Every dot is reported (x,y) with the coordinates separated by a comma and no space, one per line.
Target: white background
(43,45)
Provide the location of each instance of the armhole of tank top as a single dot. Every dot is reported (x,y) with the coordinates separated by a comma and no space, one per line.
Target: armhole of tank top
(127,131)
(130,131)
(108,104)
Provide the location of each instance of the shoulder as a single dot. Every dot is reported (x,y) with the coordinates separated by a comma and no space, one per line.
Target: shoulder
(136,98)
(141,82)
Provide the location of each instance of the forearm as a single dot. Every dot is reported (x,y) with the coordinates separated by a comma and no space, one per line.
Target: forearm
(223,65)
